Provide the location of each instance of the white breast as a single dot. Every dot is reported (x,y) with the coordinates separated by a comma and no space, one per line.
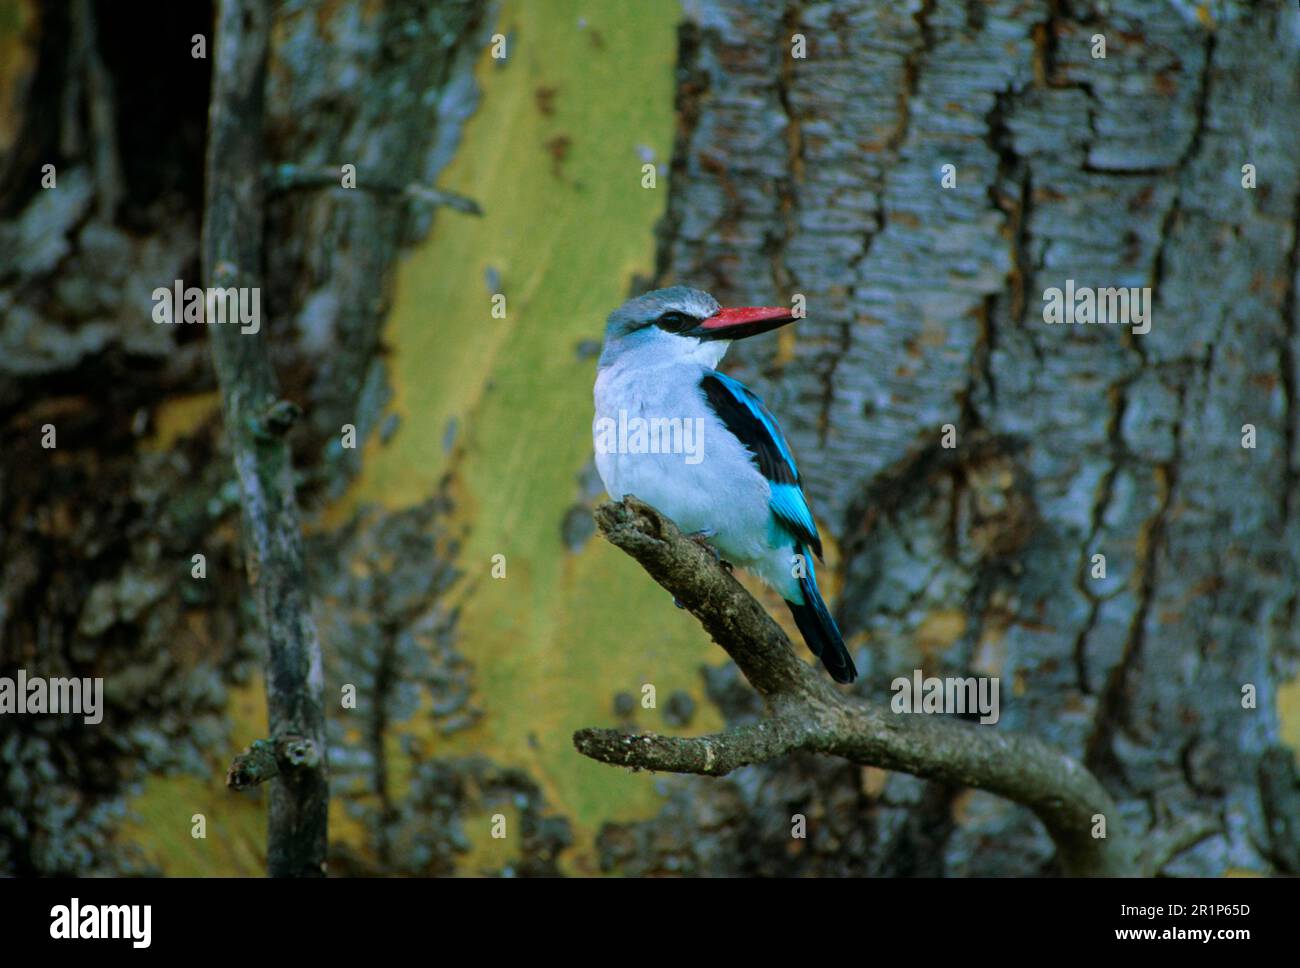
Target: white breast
(717,487)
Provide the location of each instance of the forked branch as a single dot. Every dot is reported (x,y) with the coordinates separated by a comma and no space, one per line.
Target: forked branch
(806,712)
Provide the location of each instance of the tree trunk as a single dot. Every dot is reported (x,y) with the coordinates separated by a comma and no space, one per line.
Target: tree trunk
(823,176)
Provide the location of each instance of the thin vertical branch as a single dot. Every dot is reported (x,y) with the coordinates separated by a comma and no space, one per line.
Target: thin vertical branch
(256,421)
(100,110)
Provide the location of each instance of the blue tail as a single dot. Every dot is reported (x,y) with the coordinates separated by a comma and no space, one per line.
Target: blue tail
(819,629)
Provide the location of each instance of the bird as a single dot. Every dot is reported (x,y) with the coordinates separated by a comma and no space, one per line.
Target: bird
(736,487)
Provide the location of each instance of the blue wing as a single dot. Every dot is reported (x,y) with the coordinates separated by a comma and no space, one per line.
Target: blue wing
(743,413)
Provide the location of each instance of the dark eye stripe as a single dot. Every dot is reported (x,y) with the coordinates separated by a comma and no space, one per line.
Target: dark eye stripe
(674,321)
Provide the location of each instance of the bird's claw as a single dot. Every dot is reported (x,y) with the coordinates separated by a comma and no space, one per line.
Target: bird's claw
(701,538)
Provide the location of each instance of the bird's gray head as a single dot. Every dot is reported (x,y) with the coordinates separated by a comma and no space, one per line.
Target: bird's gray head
(682,323)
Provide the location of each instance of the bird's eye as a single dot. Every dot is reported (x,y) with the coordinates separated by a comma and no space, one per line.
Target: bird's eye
(674,322)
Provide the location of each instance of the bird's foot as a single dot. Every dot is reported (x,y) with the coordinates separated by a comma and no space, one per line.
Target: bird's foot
(701,538)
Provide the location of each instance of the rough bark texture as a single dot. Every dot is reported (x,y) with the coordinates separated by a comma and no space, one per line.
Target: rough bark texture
(822,176)
(391,102)
(97,536)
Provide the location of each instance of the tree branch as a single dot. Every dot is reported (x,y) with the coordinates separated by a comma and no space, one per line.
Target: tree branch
(286,177)
(805,712)
(100,111)
(257,764)
(256,422)
(266,759)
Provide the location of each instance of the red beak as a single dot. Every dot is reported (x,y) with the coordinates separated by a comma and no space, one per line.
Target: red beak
(743,321)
